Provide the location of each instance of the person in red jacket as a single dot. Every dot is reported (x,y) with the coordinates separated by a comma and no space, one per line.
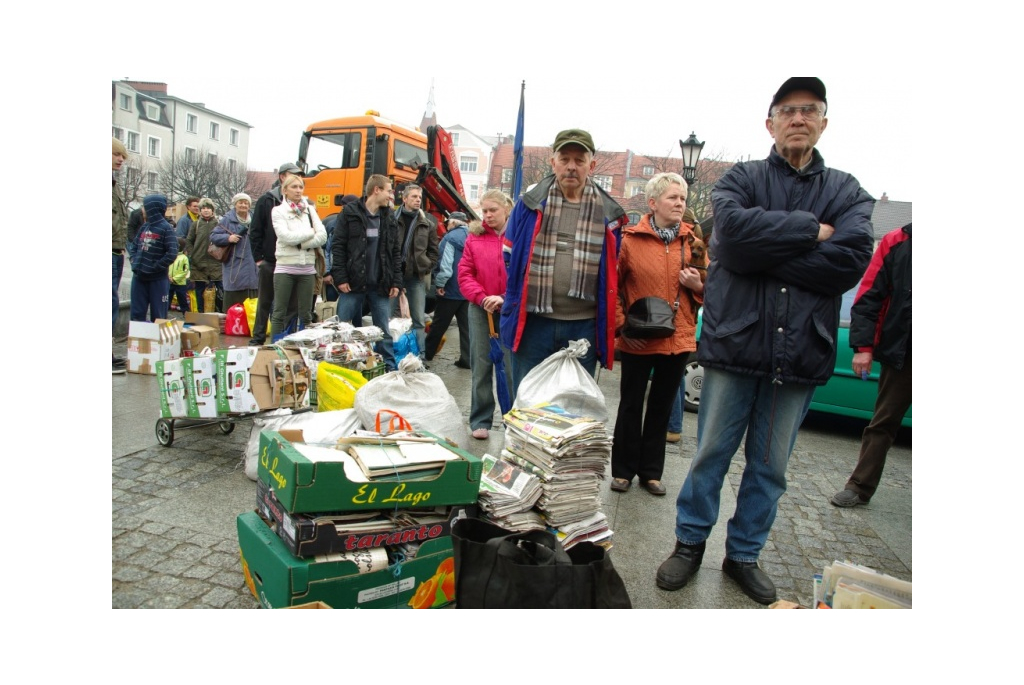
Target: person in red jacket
(482,280)
(653,262)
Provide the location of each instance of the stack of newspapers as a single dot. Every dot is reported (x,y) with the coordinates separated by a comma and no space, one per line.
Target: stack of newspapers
(844,585)
(569,454)
(507,495)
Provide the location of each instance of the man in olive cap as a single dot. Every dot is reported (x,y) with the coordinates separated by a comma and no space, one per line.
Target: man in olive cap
(119,229)
(263,241)
(791,236)
(560,252)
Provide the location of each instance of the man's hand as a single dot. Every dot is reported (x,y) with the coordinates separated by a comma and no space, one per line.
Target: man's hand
(690,278)
(825,232)
(346,288)
(259,264)
(440,292)
(328,279)
(391,293)
(862,363)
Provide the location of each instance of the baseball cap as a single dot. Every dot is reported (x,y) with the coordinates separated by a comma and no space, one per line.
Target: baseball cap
(812,84)
(288,168)
(574,136)
(459,216)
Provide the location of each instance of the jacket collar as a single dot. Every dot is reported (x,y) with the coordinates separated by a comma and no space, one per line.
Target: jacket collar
(816,165)
(538,195)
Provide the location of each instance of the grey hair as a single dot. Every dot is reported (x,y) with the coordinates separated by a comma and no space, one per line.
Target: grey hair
(657,186)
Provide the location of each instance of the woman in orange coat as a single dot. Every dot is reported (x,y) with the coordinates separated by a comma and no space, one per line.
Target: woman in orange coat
(653,262)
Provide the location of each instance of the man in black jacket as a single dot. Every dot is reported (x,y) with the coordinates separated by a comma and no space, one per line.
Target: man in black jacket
(880,328)
(263,241)
(366,260)
(791,236)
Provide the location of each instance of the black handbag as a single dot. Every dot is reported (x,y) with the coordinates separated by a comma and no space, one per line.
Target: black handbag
(651,317)
(500,569)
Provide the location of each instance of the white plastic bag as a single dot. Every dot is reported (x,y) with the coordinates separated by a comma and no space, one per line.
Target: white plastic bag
(561,379)
(418,395)
(315,427)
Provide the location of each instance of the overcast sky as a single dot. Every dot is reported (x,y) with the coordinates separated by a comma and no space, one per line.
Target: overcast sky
(630,81)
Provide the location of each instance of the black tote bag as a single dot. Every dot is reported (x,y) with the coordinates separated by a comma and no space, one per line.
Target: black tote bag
(499,569)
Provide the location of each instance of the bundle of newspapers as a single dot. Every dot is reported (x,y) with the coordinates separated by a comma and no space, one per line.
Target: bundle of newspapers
(507,495)
(569,454)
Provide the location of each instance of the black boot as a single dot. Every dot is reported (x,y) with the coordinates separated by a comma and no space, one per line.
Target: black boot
(676,571)
(754,582)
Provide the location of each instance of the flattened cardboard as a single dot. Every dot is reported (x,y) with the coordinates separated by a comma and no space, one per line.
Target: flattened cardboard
(260,378)
(303,486)
(279,579)
(150,342)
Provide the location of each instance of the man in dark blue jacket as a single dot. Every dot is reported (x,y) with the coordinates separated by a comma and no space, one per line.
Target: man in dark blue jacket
(880,329)
(791,236)
(152,252)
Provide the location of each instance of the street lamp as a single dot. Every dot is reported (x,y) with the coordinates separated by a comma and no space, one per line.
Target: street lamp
(691,148)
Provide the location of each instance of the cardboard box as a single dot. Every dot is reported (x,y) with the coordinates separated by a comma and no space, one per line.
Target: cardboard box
(260,378)
(188,387)
(279,579)
(303,486)
(307,535)
(149,343)
(211,319)
(196,337)
(310,605)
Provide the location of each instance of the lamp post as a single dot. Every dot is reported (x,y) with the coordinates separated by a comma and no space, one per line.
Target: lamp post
(691,148)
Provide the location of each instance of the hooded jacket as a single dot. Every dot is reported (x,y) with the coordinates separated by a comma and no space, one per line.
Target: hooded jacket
(446,272)
(482,271)
(772,295)
(156,244)
(348,245)
(880,320)
(240,270)
(517,248)
(650,268)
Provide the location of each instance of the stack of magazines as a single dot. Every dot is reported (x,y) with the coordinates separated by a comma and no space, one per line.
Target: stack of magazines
(843,585)
(507,495)
(569,454)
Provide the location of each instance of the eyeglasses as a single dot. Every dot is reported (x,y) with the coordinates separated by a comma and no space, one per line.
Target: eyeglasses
(809,112)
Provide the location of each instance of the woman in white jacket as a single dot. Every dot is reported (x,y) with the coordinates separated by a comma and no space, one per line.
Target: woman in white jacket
(300,233)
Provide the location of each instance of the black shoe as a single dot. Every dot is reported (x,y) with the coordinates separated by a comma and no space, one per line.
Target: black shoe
(461,364)
(118,365)
(754,582)
(676,571)
(847,498)
(257,343)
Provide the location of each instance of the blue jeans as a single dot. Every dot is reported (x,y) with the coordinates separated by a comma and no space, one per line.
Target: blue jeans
(481,405)
(117,268)
(543,336)
(731,404)
(416,293)
(151,296)
(350,307)
(675,417)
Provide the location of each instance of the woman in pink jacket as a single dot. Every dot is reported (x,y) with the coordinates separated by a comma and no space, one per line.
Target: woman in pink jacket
(482,280)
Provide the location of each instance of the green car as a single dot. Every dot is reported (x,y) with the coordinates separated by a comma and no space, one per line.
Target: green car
(845,393)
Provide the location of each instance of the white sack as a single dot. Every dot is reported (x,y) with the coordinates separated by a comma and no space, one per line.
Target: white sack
(561,379)
(325,426)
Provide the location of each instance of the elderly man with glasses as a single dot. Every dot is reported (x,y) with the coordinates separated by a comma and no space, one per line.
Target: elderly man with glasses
(791,236)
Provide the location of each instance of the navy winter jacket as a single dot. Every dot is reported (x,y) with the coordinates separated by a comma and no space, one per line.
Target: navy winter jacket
(772,296)
(156,244)
(880,321)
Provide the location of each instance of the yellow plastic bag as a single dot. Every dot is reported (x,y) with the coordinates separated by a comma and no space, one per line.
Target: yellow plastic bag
(250,315)
(336,386)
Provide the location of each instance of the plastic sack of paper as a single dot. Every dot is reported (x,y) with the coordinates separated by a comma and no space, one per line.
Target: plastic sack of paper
(561,380)
(418,395)
(336,386)
(250,315)
(315,427)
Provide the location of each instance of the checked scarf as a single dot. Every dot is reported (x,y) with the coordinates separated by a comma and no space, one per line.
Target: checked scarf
(586,252)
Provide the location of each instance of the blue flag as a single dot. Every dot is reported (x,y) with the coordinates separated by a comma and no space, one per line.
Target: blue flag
(517,149)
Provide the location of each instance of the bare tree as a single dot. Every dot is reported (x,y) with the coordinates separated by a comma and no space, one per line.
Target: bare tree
(200,174)
(134,179)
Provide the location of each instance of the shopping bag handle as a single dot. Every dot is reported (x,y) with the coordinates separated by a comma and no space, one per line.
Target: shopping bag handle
(396,418)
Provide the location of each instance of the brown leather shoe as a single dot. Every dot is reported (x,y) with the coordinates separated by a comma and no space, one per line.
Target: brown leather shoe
(654,487)
(673,437)
(620,484)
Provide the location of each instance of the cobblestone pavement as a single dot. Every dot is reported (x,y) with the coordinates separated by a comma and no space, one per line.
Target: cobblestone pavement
(174,541)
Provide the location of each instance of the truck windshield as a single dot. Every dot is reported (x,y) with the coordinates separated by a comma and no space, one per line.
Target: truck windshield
(334,150)
(409,155)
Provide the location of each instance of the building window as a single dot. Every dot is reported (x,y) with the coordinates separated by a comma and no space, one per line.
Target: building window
(211,159)
(233,137)
(604,181)
(648,171)
(192,123)
(506,175)
(152,111)
(455,138)
(634,218)
(126,102)
(132,141)
(635,190)
(467,163)
(474,192)
(154,147)
(131,177)
(152,179)
(190,155)
(214,130)
(232,166)
(118,133)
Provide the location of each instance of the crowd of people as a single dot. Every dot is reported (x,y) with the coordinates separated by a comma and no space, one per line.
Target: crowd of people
(562,263)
